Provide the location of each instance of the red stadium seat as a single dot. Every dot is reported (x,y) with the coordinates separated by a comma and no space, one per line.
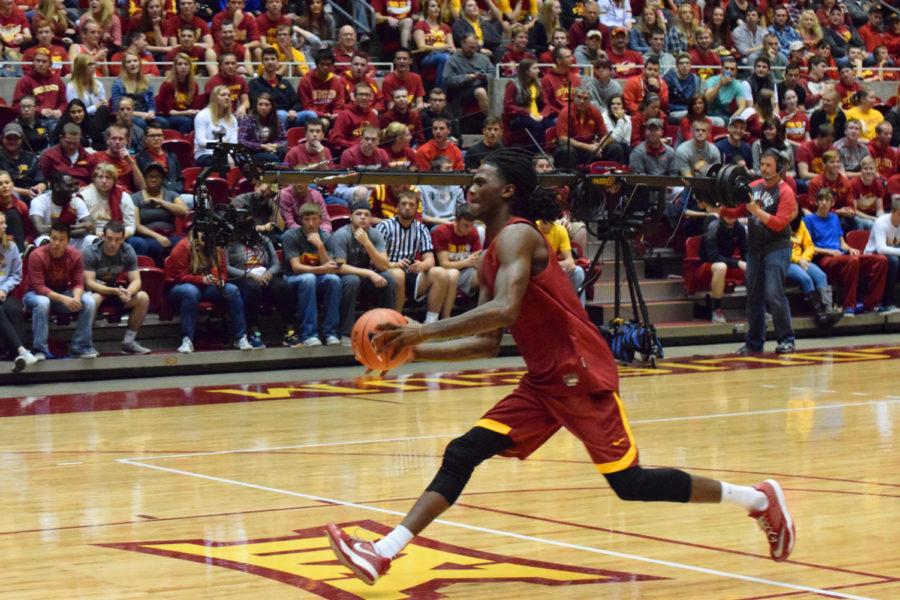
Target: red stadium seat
(171,134)
(190,177)
(219,190)
(858,239)
(338,214)
(698,274)
(183,151)
(145,261)
(295,135)
(7,115)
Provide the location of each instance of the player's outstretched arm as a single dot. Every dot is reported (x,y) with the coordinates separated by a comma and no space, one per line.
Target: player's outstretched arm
(485,323)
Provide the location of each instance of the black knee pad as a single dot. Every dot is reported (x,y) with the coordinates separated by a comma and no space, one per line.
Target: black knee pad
(461,457)
(651,485)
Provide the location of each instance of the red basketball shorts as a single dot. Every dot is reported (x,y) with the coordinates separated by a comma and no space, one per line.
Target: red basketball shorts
(598,420)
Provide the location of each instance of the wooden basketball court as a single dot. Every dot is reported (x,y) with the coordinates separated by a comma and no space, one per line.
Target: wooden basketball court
(222,491)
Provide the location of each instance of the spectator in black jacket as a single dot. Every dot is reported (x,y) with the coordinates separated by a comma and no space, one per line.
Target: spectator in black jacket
(721,240)
(284,94)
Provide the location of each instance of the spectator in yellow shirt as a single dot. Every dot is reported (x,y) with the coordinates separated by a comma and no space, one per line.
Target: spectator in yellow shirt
(558,237)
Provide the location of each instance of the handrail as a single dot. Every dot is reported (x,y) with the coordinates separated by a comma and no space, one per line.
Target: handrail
(364,27)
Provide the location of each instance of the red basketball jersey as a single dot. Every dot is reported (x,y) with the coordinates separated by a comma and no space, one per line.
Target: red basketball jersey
(564,352)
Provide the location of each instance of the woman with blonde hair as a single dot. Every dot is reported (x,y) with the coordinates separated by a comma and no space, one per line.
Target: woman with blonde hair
(132,83)
(12,324)
(648,24)
(396,140)
(179,99)
(103,12)
(809,29)
(547,22)
(216,118)
(84,86)
(89,32)
(54,13)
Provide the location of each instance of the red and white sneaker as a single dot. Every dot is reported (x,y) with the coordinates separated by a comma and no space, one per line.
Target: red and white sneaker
(775,521)
(357,555)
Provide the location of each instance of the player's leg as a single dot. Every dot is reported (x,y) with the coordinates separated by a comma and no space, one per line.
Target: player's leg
(517,426)
(600,422)
(368,560)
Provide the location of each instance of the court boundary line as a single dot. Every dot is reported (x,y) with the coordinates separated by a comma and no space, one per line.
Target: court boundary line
(725,415)
(501,533)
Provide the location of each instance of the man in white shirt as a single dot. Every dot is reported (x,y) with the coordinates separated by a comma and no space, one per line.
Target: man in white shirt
(885,240)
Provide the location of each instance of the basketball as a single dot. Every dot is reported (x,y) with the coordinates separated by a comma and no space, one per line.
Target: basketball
(361,337)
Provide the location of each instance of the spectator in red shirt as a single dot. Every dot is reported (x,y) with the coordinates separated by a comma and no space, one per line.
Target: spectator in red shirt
(59,158)
(150,21)
(559,82)
(887,159)
(246,32)
(625,62)
(321,90)
(517,51)
(439,145)
(402,113)
(809,157)
(312,151)
(205,58)
(649,83)
(847,86)
(136,43)
(523,104)
(590,19)
(396,143)
(47,87)
(581,134)
(458,247)
(346,46)
(359,72)
(366,155)
(14,27)
(268,22)
(236,84)
(187,15)
(226,42)
(872,32)
(56,283)
(349,124)
(867,194)
(401,76)
(58,55)
(838,183)
(117,154)
(704,55)
(179,99)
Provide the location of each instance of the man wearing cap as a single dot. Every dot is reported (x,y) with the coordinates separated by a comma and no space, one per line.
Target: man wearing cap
(591,49)
(590,19)
(626,63)
(782,29)
(653,157)
(723,90)
(650,82)
(797,54)
(22,165)
(48,89)
(734,149)
(361,255)
(602,86)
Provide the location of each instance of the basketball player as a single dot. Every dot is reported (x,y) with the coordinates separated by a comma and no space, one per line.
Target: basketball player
(572,380)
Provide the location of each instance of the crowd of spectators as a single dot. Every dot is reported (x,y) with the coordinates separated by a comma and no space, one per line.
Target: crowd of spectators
(664,87)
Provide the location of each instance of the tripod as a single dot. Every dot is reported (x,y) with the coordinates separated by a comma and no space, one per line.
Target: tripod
(638,334)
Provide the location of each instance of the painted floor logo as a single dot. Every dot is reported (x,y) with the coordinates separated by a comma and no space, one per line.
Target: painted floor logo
(425,567)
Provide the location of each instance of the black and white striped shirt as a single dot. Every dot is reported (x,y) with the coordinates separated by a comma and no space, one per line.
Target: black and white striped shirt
(405,242)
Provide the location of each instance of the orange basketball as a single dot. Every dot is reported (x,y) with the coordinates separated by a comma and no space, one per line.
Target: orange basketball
(361,337)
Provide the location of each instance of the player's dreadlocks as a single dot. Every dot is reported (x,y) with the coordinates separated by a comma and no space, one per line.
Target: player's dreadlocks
(529,201)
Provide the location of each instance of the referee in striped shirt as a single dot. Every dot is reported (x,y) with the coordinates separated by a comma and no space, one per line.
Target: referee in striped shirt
(406,239)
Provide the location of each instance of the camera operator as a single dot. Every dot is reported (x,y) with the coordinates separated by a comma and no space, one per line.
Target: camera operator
(262,205)
(254,268)
(771,210)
